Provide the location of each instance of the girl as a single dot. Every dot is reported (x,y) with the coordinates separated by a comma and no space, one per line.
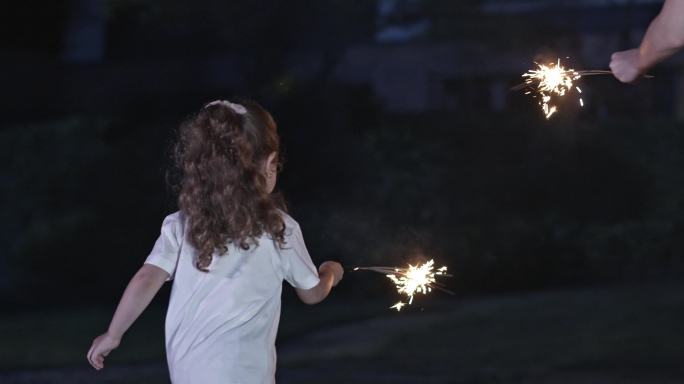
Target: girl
(227,251)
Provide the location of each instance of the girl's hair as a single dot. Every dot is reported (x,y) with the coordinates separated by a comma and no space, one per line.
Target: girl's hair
(220,154)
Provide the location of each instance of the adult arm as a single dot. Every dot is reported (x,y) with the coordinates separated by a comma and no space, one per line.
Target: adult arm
(663,38)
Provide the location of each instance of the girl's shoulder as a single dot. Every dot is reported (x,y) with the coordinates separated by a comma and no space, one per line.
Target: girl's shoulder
(291,225)
(175,216)
(174,223)
(289,221)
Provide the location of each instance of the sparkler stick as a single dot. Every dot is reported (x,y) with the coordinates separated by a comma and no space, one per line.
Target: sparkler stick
(411,280)
(551,81)
(592,72)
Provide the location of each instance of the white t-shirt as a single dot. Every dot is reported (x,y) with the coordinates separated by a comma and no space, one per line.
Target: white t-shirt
(221,325)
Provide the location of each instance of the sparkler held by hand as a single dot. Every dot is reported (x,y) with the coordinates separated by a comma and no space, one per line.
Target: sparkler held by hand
(548,82)
(551,81)
(414,279)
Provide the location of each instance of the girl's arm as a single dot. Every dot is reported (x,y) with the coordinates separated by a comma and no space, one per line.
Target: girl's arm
(329,273)
(138,294)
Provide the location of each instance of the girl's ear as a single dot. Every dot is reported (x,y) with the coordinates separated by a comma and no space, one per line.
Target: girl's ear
(272,159)
(271,162)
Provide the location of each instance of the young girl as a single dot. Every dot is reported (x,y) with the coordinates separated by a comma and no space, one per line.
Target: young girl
(227,251)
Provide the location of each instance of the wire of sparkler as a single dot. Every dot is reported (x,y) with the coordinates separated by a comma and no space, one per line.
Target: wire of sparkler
(374,269)
(385,270)
(589,72)
(551,81)
(595,72)
(401,276)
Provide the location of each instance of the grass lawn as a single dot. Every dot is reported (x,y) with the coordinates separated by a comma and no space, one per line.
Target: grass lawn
(62,338)
(616,334)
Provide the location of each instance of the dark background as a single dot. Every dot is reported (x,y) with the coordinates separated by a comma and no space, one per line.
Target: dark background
(403,142)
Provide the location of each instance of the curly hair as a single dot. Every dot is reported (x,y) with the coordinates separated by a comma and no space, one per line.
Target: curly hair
(220,155)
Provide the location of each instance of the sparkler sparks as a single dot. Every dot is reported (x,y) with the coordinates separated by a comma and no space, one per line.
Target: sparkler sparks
(551,81)
(412,280)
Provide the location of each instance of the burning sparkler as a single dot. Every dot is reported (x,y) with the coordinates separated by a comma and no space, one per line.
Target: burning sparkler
(412,280)
(550,81)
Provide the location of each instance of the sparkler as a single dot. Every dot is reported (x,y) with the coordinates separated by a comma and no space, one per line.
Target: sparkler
(551,81)
(412,280)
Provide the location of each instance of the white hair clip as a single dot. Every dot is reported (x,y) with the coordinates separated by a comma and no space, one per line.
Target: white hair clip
(237,108)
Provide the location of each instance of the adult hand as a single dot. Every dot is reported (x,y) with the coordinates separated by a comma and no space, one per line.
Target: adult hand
(625,65)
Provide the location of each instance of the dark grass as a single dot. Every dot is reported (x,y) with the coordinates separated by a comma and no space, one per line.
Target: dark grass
(635,331)
(615,332)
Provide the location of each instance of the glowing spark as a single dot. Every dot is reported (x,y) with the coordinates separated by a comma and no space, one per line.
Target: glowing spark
(415,279)
(551,81)
(412,280)
(554,80)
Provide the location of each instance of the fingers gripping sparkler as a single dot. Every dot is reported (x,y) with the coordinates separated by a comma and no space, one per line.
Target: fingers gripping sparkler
(412,280)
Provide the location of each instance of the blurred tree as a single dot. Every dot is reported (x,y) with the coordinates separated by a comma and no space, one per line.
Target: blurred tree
(488,23)
(261,33)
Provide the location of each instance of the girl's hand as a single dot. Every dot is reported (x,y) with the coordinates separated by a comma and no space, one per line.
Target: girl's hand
(101,347)
(333,268)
